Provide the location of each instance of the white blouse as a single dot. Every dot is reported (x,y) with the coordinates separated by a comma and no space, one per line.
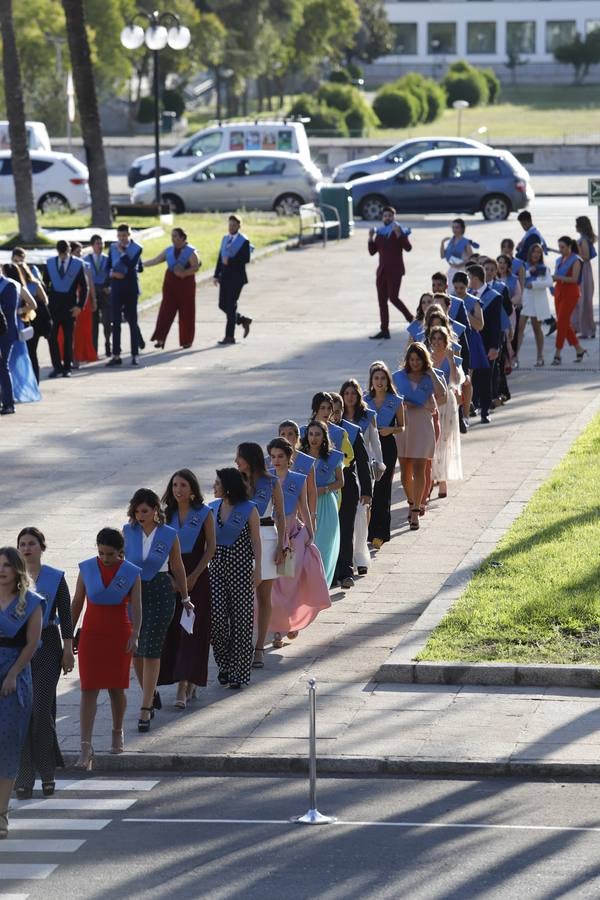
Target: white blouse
(146,546)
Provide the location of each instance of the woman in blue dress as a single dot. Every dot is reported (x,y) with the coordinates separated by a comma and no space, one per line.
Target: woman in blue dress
(25,386)
(329,478)
(20,630)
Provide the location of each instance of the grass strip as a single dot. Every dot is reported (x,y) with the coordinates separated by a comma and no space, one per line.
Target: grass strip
(536,599)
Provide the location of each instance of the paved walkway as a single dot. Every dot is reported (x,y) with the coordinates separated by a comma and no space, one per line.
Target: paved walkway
(76,458)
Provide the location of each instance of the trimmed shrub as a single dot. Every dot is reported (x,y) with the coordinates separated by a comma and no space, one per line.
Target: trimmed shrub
(436,100)
(354,71)
(395,108)
(173,100)
(471,87)
(461,67)
(493,83)
(414,84)
(361,119)
(339,76)
(146,110)
(340,96)
(325,121)
(359,116)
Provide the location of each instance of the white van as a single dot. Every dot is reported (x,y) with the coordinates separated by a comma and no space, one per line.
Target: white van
(286,136)
(37,136)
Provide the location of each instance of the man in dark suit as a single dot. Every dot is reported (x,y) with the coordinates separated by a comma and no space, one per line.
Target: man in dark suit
(491,334)
(125,265)
(67,293)
(389,240)
(230,276)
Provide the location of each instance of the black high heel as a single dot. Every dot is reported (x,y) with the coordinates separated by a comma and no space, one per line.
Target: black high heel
(48,788)
(156,701)
(144,724)
(580,354)
(24,793)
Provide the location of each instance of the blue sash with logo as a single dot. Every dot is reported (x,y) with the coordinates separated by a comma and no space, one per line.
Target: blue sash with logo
(263,493)
(302,463)
(182,259)
(387,411)
(419,393)
(292,488)
(457,327)
(487,297)
(516,265)
(367,417)
(121,584)
(229,532)
(100,272)
(163,540)
(416,330)
(228,251)
(191,528)
(387,231)
(325,468)
(564,266)
(118,262)
(46,586)
(352,430)
(62,284)
(10,622)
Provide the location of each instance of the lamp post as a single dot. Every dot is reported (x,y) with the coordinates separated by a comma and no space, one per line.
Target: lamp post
(156,37)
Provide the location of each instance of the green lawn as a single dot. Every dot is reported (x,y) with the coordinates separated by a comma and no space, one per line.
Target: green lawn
(204,231)
(536,599)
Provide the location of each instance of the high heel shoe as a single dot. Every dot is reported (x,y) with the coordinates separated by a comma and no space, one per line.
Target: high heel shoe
(192,692)
(414,519)
(156,701)
(24,793)
(48,788)
(3,824)
(144,724)
(580,354)
(557,360)
(117,741)
(86,757)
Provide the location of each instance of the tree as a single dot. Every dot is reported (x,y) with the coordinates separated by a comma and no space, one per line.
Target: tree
(374,37)
(581,54)
(89,116)
(21,163)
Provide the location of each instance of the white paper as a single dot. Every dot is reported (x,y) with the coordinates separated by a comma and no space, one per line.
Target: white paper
(187,620)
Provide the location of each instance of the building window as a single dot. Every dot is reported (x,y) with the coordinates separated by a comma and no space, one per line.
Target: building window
(405,38)
(481,37)
(441,37)
(520,37)
(592,25)
(558,33)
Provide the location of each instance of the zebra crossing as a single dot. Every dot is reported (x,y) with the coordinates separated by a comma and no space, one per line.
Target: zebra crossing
(78,809)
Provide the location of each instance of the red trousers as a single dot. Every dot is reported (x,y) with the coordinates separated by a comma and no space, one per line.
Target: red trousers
(566,298)
(179,296)
(388,288)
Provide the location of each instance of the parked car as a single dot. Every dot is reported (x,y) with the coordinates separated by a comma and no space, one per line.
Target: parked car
(453,181)
(229,181)
(395,156)
(60,182)
(37,136)
(286,137)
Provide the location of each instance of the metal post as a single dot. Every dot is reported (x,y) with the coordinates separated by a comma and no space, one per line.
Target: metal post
(156,129)
(313,816)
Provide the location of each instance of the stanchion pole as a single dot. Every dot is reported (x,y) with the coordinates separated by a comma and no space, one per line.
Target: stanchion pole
(313,816)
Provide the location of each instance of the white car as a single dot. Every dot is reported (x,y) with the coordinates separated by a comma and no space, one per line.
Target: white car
(60,182)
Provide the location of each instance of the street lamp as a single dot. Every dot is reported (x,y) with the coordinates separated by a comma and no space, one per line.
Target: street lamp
(163,29)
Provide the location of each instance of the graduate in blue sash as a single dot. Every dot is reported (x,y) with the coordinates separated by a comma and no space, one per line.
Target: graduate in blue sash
(301,462)
(24,381)
(322,409)
(457,249)
(184,659)
(67,292)
(154,547)
(41,754)
(178,290)
(583,318)
(111,586)
(125,265)
(329,478)
(265,491)
(99,263)
(531,236)
(20,630)
(534,301)
(567,279)
(298,597)
(230,276)
(385,402)
(234,574)
(447,459)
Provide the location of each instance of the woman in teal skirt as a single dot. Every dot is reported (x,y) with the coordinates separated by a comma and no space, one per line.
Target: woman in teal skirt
(329,478)
(20,631)
(155,548)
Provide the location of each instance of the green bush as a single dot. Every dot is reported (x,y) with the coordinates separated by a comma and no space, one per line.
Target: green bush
(146,110)
(428,96)
(339,76)
(361,119)
(471,87)
(340,96)
(395,108)
(461,67)
(493,84)
(414,84)
(173,100)
(436,100)
(325,121)
(354,71)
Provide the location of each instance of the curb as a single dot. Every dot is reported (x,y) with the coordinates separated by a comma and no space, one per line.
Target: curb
(401,667)
(339,765)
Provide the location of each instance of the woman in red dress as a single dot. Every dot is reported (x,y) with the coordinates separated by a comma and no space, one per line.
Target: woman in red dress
(567,276)
(108,637)
(179,290)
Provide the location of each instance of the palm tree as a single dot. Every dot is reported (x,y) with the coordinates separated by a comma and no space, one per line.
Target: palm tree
(15,108)
(87,101)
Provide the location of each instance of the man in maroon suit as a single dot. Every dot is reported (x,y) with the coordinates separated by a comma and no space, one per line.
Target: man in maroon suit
(389,240)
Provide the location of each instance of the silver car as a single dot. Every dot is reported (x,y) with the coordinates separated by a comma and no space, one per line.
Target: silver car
(251,179)
(398,154)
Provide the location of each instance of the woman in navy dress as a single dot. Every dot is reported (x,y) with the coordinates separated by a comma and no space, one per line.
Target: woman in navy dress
(20,630)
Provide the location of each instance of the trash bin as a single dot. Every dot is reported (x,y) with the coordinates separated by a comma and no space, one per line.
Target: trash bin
(339,196)
(167,120)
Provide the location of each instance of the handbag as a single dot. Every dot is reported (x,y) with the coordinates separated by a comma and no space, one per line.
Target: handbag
(287,569)
(26,333)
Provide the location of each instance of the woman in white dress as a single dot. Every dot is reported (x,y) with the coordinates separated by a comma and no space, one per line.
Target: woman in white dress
(535,305)
(447,460)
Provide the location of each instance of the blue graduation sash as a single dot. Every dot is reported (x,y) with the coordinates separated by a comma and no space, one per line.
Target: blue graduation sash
(122,582)
(263,493)
(539,271)
(133,252)
(486,298)
(386,413)
(470,300)
(591,248)
(416,330)
(62,284)
(325,468)
(181,260)
(516,265)
(163,540)
(100,274)
(302,463)
(367,417)
(10,622)
(352,430)
(455,306)
(191,528)
(228,252)
(336,434)
(387,230)
(292,488)
(564,266)
(229,532)
(455,247)
(418,394)
(46,586)
(457,327)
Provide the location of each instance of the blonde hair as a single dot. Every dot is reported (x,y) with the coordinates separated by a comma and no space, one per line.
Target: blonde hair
(17,562)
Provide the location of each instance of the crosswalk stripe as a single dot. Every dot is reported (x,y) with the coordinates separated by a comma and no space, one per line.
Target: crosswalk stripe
(13,896)
(86,804)
(17,871)
(103,784)
(39,846)
(51,824)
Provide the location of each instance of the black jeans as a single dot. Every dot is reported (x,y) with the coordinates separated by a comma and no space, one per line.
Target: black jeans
(102,316)
(228,301)
(127,304)
(62,317)
(482,389)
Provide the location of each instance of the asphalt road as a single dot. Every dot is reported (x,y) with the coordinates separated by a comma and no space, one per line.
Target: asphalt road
(229,837)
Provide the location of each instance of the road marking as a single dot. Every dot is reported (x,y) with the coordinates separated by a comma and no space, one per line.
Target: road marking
(85,804)
(13,896)
(58,824)
(17,871)
(464,825)
(107,784)
(39,846)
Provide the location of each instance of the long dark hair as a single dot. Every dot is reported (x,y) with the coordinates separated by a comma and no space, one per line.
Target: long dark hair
(168,500)
(361,406)
(254,455)
(234,485)
(147,496)
(13,271)
(318,398)
(423,354)
(380,366)
(565,239)
(280,443)
(325,448)
(585,228)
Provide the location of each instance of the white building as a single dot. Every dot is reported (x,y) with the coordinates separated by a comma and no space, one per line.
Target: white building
(430,35)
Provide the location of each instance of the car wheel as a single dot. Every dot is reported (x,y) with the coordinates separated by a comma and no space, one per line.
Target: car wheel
(288,205)
(495,208)
(371,208)
(175,203)
(53,203)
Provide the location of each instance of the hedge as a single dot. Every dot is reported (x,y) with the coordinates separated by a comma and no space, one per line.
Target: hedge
(396,108)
